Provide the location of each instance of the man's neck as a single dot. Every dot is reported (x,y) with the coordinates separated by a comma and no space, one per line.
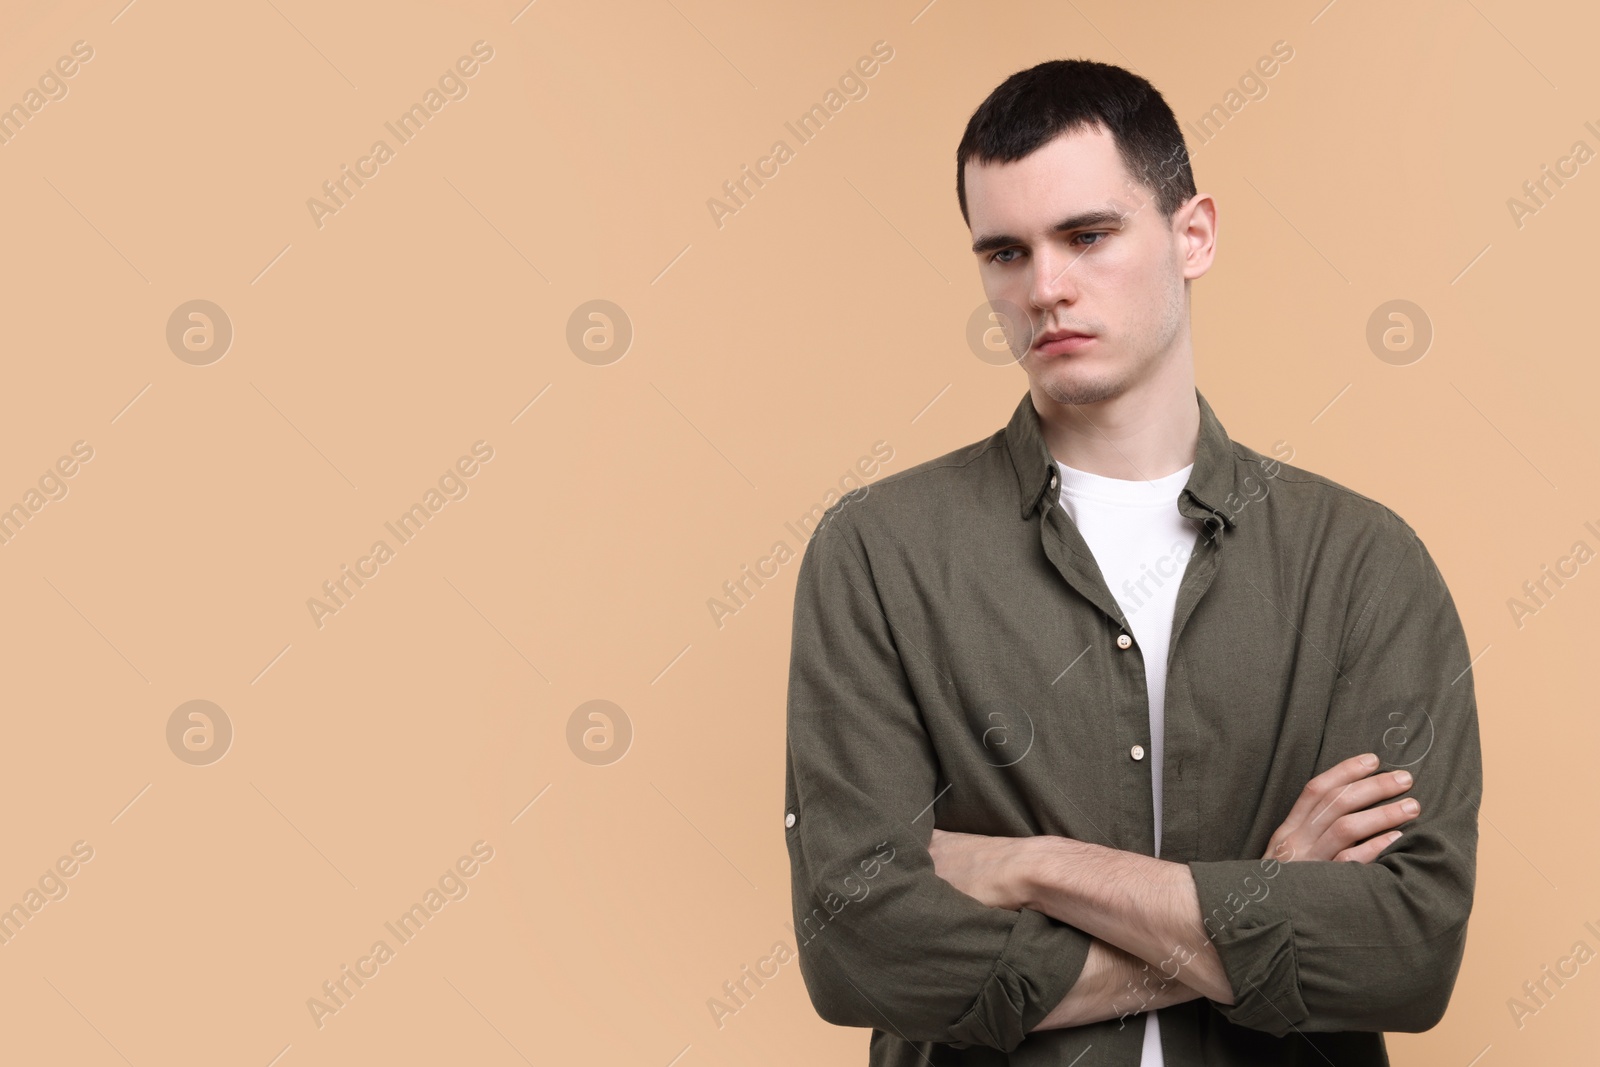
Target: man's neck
(1147,432)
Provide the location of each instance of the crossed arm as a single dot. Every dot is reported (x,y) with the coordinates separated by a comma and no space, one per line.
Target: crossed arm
(1143,912)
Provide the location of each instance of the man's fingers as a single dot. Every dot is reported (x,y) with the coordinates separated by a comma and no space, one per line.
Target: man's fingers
(1349,831)
(1369,850)
(1361,794)
(1334,812)
(1330,782)
(1361,825)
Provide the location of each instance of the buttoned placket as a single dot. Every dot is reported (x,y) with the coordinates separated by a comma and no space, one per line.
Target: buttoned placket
(1135,810)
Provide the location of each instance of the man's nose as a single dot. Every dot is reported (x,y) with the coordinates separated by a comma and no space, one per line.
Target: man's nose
(1054,278)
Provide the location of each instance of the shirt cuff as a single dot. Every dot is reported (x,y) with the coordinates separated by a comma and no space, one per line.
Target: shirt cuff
(1038,966)
(1254,936)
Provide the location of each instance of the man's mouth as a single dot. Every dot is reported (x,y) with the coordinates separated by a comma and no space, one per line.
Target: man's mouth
(1058,342)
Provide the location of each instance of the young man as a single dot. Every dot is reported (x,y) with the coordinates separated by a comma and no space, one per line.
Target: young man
(1101,729)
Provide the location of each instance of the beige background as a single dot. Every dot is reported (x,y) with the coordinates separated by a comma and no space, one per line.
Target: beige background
(769,355)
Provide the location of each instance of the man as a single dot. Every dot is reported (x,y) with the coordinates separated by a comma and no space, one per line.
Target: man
(1106,733)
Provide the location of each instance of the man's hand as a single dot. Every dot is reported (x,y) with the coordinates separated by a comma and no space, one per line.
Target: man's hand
(1328,823)
(983,867)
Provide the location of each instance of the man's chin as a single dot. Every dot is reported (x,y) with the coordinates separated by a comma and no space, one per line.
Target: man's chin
(1071,385)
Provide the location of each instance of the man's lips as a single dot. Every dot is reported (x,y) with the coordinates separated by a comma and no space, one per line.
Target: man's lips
(1054,342)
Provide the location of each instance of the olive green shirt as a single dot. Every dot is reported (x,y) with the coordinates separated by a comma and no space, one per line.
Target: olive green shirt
(958,661)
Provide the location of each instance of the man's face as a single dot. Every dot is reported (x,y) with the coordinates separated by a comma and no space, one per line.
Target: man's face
(1116,271)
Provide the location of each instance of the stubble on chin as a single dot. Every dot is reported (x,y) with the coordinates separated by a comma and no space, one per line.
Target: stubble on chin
(1078,389)
(1077,393)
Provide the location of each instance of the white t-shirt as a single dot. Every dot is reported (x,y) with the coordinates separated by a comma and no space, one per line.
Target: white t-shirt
(1141,543)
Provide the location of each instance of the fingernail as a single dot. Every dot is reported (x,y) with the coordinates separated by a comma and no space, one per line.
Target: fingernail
(1403,777)
(1409,807)
(1369,761)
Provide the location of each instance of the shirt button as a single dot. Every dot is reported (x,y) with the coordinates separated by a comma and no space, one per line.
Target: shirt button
(788,820)
(1137,752)
(1124,641)
(1052,480)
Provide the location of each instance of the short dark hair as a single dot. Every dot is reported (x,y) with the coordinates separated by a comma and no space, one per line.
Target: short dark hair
(1060,96)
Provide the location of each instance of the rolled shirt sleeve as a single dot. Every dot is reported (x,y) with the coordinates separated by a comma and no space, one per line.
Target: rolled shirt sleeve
(883,941)
(1333,945)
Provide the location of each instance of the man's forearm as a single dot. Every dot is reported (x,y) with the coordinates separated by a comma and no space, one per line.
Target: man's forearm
(1145,906)
(1114,984)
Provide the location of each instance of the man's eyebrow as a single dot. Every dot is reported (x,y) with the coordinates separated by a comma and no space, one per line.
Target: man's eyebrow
(1082,221)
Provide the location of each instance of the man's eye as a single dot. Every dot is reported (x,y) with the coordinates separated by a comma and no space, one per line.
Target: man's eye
(1093,244)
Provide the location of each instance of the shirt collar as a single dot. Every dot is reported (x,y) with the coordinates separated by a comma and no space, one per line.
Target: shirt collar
(1210,485)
